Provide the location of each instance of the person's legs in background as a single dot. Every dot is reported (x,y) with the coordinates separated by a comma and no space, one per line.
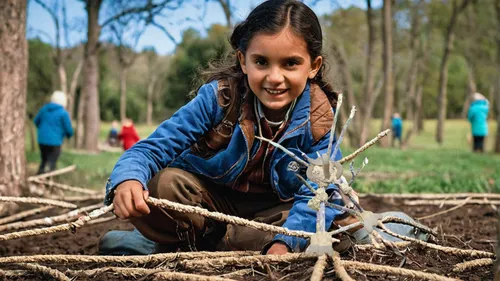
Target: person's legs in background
(478,144)
(43,154)
(53,155)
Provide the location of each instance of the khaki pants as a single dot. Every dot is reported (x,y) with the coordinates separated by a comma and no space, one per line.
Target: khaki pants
(174,230)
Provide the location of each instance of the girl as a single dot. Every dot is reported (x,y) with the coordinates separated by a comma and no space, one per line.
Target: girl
(207,155)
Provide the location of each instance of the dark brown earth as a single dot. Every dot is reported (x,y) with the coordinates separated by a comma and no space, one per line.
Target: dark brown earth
(470,227)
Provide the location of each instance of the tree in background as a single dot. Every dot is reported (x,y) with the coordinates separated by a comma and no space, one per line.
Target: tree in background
(137,11)
(60,55)
(388,88)
(126,57)
(457,9)
(13,77)
(193,54)
(497,96)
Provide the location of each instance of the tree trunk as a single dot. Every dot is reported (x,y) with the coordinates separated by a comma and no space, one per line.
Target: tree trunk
(123,92)
(13,82)
(472,88)
(91,78)
(411,83)
(416,106)
(492,100)
(345,72)
(366,108)
(443,72)
(388,88)
(151,87)
(63,79)
(72,89)
(80,119)
(497,107)
(497,113)
(226,7)
(31,130)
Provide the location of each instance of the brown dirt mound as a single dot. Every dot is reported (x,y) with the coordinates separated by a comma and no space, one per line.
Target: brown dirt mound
(470,227)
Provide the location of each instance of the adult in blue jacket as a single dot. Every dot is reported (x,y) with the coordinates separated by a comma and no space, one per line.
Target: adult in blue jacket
(53,125)
(478,118)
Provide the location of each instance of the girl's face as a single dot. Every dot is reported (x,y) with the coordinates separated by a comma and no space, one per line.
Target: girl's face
(278,66)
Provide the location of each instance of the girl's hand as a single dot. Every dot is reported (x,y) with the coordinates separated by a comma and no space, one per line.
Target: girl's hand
(130,199)
(277,249)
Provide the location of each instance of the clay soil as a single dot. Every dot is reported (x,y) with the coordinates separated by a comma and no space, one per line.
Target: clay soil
(470,227)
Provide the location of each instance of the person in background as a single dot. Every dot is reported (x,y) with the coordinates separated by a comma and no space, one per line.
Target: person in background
(113,139)
(53,124)
(397,129)
(128,134)
(478,118)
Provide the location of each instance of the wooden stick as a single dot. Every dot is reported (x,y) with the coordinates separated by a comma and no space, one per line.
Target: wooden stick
(445,211)
(36,200)
(53,173)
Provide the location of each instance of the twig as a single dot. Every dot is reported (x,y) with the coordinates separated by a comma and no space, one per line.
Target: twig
(228,219)
(53,173)
(396,271)
(211,263)
(39,201)
(81,221)
(445,211)
(450,202)
(133,272)
(432,195)
(47,221)
(66,187)
(56,274)
(178,276)
(319,268)
(339,268)
(459,267)
(450,250)
(408,222)
(364,147)
(132,260)
(237,273)
(24,214)
(366,247)
(80,198)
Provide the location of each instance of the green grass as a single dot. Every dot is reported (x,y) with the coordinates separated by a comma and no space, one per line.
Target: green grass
(425,166)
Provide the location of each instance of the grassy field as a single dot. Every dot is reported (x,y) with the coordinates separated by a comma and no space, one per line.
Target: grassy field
(425,166)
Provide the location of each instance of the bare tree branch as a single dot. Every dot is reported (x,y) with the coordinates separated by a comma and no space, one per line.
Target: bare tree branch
(150,8)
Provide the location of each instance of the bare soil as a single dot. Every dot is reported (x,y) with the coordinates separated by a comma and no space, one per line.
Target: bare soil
(470,227)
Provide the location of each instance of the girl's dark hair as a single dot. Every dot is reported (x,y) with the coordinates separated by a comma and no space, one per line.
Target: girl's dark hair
(271,17)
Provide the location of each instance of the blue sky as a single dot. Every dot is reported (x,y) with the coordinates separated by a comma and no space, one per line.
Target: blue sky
(41,25)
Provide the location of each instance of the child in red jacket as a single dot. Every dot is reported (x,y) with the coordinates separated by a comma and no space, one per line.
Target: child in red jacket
(128,134)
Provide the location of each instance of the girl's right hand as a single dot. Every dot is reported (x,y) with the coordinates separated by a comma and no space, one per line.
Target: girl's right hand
(130,200)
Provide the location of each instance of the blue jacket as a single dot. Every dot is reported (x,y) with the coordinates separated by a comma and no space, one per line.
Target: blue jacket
(169,146)
(478,117)
(397,127)
(53,124)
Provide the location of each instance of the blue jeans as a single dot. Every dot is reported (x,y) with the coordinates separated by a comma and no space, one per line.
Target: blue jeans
(121,243)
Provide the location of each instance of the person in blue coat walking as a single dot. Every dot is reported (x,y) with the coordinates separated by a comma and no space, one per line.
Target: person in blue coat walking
(53,124)
(478,118)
